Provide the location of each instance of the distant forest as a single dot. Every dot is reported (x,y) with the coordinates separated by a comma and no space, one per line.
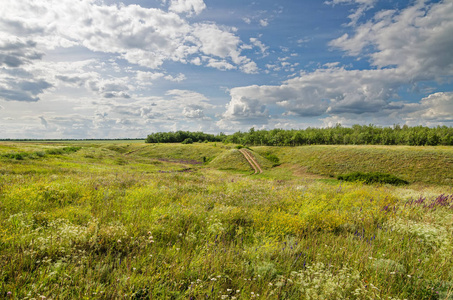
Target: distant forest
(338,135)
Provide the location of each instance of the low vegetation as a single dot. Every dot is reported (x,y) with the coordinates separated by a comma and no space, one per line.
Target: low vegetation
(158,221)
(369,178)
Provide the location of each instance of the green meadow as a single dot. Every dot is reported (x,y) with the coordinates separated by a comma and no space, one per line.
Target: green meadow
(129,220)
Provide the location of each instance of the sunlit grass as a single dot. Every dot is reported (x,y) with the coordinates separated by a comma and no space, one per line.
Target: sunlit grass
(114,221)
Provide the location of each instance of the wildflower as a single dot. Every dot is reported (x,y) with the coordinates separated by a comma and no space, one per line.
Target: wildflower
(213,279)
(9,294)
(229,290)
(237,291)
(119,241)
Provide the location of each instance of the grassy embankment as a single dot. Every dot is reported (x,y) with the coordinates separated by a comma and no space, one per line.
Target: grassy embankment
(131,220)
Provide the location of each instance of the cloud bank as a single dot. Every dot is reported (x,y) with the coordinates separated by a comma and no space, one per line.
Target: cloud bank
(404,48)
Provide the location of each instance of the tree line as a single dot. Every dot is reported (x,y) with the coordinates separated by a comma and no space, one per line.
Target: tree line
(338,135)
(183,137)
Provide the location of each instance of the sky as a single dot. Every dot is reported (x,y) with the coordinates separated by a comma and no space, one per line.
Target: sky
(78,69)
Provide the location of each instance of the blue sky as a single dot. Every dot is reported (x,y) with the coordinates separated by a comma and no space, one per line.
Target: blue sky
(110,69)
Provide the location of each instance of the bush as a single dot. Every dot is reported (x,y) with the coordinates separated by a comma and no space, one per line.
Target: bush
(373,177)
(60,151)
(16,156)
(273,158)
(187,141)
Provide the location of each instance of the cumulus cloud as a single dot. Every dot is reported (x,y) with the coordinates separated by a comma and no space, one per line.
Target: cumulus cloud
(116,117)
(407,47)
(22,90)
(193,113)
(257,43)
(435,108)
(416,40)
(363,5)
(187,6)
(16,82)
(189,98)
(333,90)
(15,53)
(143,36)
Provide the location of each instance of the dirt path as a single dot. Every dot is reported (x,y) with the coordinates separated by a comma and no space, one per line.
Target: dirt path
(256,167)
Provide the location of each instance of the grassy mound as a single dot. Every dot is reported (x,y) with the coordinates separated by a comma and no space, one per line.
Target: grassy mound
(264,162)
(375,177)
(234,160)
(231,160)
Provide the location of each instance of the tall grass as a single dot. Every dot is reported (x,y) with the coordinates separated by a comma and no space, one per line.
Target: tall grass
(75,227)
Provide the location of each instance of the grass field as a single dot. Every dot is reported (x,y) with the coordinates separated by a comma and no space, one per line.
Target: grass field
(128,220)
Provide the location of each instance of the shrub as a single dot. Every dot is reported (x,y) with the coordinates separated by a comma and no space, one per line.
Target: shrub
(16,156)
(187,141)
(71,149)
(373,177)
(272,157)
(59,151)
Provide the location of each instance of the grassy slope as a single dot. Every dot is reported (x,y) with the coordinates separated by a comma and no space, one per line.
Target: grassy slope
(231,160)
(415,164)
(105,223)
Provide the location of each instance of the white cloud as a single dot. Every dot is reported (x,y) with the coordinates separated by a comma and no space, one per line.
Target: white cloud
(264,22)
(192,113)
(410,46)
(196,61)
(187,6)
(178,78)
(249,68)
(217,42)
(434,109)
(186,97)
(146,78)
(143,36)
(417,40)
(220,64)
(363,5)
(257,43)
